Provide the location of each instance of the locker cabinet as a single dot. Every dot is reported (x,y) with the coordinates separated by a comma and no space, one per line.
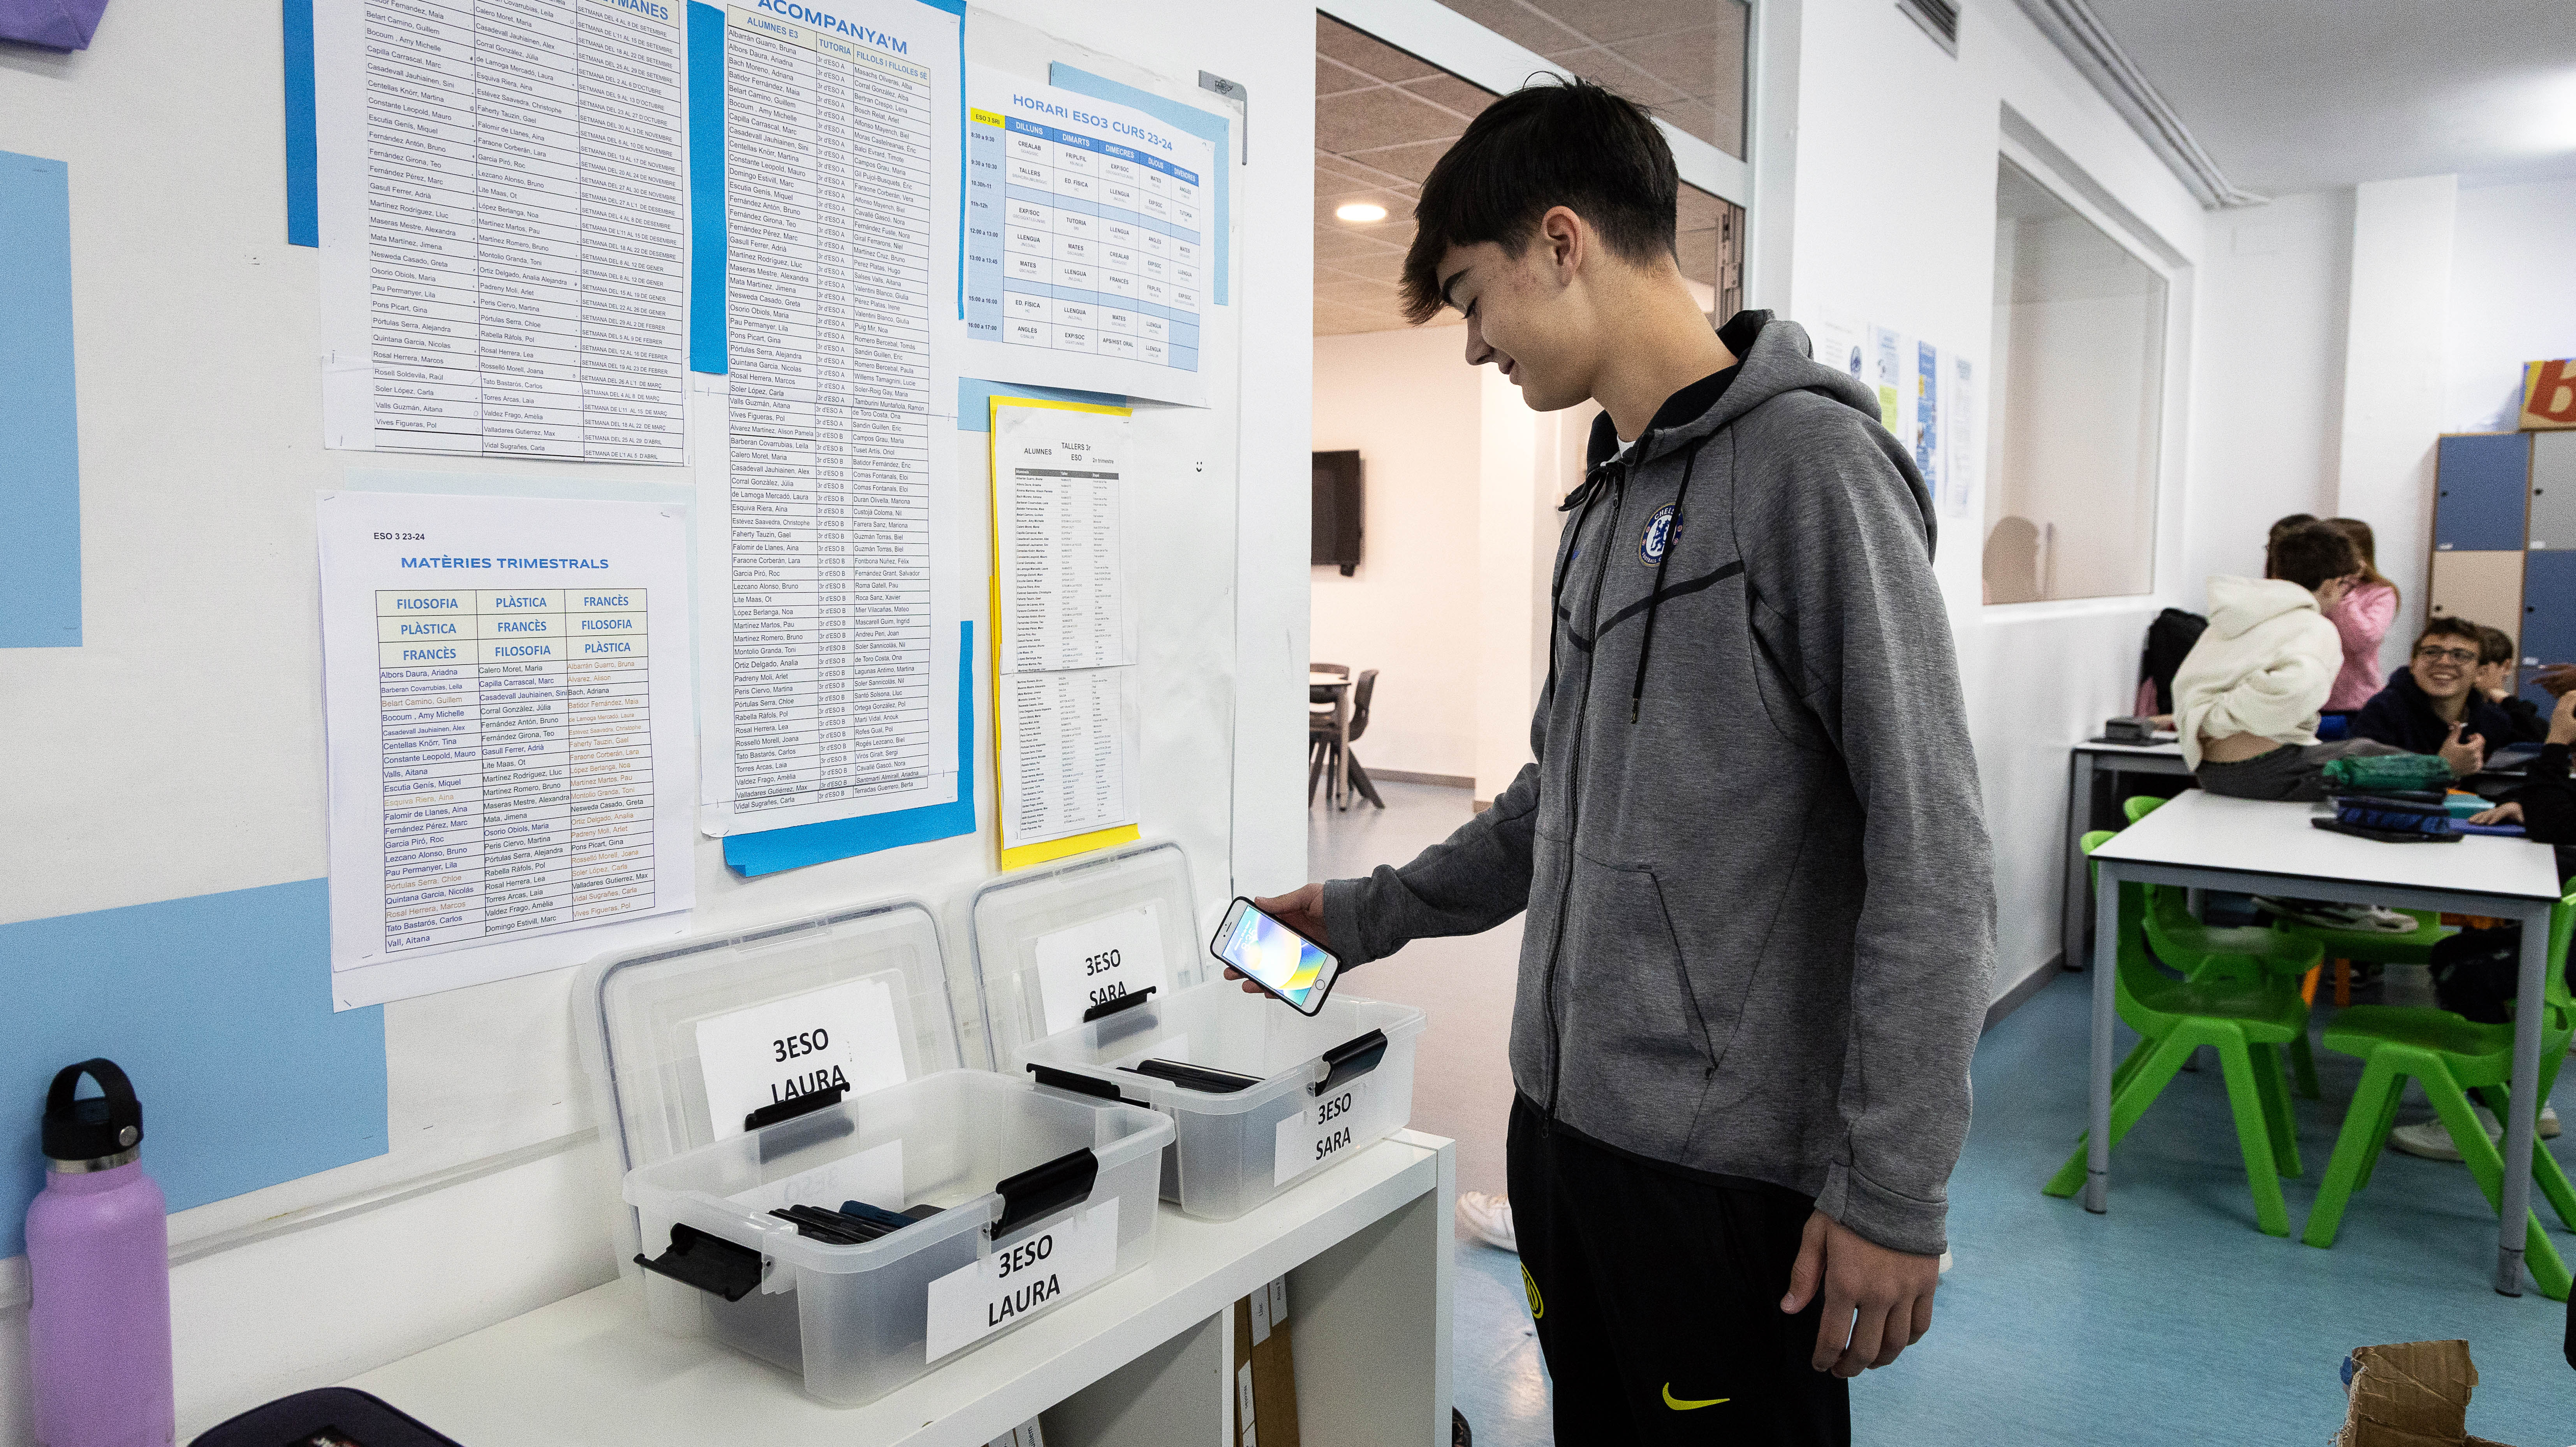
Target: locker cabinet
(2483,587)
(2553,490)
(2549,607)
(2482,482)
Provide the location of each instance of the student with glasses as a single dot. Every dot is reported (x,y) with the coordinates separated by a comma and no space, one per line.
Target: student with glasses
(2433,705)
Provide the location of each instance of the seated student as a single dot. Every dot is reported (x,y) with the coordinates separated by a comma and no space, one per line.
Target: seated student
(2475,972)
(2432,706)
(2496,656)
(2247,695)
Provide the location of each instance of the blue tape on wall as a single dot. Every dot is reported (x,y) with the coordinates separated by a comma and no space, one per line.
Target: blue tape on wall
(40,563)
(303,204)
(1197,122)
(753,855)
(974,399)
(707,340)
(219,1007)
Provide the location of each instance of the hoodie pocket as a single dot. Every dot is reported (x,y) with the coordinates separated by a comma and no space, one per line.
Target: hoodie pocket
(1636,1048)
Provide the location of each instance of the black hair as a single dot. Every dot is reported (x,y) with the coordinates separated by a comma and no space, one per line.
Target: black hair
(2313,552)
(2272,539)
(1571,143)
(2453,628)
(2494,645)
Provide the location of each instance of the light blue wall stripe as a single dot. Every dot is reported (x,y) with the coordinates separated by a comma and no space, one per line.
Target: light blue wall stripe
(303,202)
(219,1007)
(707,340)
(40,563)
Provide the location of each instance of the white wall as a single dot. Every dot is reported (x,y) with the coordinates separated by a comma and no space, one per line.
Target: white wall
(178,259)
(2513,296)
(2267,389)
(2393,380)
(1411,406)
(1894,204)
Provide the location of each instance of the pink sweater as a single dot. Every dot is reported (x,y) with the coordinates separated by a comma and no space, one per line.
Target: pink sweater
(2362,618)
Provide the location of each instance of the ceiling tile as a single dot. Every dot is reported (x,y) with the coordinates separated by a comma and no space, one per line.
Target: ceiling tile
(1687,62)
(1364,120)
(1604,21)
(1333,79)
(1412,162)
(1335,240)
(1367,54)
(1697,251)
(1387,267)
(1610,68)
(1455,94)
(1693,117)
(1515,22)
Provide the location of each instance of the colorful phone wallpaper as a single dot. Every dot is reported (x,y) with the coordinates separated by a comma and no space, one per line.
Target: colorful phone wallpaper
(1275,955)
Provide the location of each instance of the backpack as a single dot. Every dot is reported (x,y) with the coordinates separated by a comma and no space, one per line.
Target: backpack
(2169,641)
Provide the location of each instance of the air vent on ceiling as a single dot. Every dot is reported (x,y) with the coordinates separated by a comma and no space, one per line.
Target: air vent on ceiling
(1939,19)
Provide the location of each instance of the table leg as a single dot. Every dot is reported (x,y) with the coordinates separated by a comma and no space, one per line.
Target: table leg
(2079,813)
(2518,1127)
(2106,960)
(1342,747)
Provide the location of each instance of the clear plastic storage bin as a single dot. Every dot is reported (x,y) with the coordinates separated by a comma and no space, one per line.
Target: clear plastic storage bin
(814,1064)
(1041,1195)
(1318,1090)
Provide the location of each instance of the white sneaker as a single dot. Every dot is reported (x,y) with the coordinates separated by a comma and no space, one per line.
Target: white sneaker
(2432,1141)
(1488,1219)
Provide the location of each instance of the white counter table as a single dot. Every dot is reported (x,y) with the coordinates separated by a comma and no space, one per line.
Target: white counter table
(1143,1361)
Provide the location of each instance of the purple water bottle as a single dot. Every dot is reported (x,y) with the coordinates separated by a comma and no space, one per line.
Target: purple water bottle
(98,1247)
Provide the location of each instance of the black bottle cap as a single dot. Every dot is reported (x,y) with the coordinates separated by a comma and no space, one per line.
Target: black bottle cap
(93,1128)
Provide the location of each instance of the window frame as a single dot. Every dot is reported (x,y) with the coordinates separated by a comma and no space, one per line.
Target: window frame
(2077,192)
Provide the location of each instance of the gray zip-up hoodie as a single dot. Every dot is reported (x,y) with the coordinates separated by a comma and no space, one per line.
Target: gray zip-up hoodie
(1761,910)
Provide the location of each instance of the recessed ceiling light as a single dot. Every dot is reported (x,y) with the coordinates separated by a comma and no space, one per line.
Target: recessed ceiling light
(1360,211)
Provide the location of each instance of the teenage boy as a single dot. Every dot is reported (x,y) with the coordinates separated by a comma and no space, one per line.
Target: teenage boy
(2247,695)
(2432,706)
(2495,684)
(1760,911)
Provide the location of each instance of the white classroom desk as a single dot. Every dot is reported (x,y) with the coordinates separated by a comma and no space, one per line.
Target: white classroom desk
(2087,760)
(1146,1359)
(2205,841)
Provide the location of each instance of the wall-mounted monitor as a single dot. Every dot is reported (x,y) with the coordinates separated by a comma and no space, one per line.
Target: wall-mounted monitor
(1337,510)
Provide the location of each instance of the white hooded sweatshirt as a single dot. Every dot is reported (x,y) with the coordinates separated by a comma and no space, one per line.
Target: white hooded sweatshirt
(2264,666)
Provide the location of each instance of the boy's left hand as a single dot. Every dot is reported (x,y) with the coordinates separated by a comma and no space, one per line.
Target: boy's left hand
(2500,814)
(1878,1301)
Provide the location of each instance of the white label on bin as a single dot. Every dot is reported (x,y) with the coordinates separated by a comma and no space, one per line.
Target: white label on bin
(1097,962)
(1278,1300)
(1261,1316)
(874,1175)
(842,1034)
(1243,1394)
(980,1298)
(1321,1132)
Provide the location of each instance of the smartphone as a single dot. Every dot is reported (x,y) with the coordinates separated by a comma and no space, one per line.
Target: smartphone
(1275,957)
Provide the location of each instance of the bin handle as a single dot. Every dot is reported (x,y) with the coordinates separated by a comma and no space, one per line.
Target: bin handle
(710,1263)
(1055,1078)
(1112,1007)
(1350,1060)
(1044,1190)
(794,1106)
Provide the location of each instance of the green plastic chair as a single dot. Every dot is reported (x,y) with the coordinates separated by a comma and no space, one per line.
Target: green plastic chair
(2207,952)
(2452,1057)
(2174,1018)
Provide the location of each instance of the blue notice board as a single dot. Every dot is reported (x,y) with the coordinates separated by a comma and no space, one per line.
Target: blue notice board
(40,572)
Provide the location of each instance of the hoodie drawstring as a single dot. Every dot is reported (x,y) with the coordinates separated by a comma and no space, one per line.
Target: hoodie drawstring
(1655,599)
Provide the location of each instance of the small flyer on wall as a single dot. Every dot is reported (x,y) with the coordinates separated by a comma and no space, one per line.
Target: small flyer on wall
(506,689)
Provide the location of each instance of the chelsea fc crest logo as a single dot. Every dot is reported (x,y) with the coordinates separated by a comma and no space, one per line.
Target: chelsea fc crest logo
(1659,533)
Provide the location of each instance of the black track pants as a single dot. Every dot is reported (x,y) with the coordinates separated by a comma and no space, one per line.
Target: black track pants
(1657,1299)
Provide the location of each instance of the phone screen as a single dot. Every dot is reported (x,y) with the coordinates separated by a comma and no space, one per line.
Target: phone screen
(1290,964)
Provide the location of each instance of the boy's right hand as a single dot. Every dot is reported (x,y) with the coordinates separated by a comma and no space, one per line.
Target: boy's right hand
(2466,753)
(2558,678)
(1300,909)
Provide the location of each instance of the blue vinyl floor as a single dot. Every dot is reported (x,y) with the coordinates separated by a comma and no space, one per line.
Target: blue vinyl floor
(2169,1321)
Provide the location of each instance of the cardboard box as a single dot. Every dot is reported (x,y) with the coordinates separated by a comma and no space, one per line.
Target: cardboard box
(2548,395)
(2411,1394)
(1265,1370)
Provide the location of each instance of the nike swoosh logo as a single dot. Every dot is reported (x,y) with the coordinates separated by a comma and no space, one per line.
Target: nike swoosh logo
(1682,1406)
